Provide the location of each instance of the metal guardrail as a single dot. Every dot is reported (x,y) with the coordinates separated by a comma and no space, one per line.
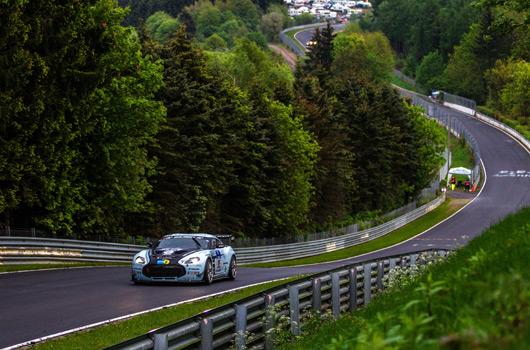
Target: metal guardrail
(515,134)
(250,322)
(302,250)
(452,124)
(29,250)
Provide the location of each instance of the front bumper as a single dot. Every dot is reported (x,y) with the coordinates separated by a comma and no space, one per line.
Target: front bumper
(166,273)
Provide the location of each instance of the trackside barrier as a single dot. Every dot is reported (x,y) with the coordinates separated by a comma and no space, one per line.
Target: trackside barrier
(252,322)
(295,47)
(452,124)
(28,250)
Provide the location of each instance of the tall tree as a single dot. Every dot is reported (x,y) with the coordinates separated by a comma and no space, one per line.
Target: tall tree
(320,51)
(200,140)
(80,162)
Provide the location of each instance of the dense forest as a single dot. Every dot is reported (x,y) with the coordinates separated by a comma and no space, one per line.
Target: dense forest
(476,49)
(188,122)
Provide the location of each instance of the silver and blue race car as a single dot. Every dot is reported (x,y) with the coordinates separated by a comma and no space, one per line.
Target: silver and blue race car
(185,257)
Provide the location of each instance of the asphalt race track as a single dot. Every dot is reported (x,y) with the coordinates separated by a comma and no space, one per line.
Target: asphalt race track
(41,303)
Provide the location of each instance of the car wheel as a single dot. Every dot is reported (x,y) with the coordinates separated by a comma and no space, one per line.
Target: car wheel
(232,272)
(208,272)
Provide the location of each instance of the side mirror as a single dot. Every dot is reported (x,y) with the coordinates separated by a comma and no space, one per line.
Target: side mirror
(150,244)
(220,245)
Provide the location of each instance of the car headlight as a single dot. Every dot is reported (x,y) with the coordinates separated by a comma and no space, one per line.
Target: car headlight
(193,260)
(140,260)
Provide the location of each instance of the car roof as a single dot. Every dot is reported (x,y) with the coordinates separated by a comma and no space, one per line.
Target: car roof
(204,235)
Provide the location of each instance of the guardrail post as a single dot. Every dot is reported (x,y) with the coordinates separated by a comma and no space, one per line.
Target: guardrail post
(8,231)
(206,334)
(317,295)
(353,289)
(380,271)
(294,308)
(241,326)
(160,341)
(413,258)
(335,294)
(367,283)
(33,232)
(392,264)
(269,322)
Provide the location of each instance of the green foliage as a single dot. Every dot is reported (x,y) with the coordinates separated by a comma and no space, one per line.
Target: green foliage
(511,19)
(77,100)
(478,298)
(419,27)
(466,70)
(367,54)
(515,95)
(304,18)
(271,24)
(429,142)
(215,43)
(161,26)
(320,53)
(430,70)
(368,159)
(248,63)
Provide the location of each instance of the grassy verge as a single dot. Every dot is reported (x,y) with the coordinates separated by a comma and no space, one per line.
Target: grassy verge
(114,333)
(416,227)
(27,267)
(402,84)
(291,34)
(478,299)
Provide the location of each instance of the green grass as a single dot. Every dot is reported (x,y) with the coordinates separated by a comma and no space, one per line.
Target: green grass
(117,332)
(478,299)
(28,267)
(416,227)
(402,84)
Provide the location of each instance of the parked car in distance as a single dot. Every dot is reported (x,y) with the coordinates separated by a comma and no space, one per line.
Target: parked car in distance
(185,257)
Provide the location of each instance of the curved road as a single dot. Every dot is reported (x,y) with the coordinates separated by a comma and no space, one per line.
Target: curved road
(41,303)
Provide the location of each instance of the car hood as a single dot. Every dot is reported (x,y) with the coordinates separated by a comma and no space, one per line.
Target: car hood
(172,253)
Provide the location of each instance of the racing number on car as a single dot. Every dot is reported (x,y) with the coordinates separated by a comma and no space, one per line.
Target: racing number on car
(217,260)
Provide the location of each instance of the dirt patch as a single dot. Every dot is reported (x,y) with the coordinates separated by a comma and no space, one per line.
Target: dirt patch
(289,57)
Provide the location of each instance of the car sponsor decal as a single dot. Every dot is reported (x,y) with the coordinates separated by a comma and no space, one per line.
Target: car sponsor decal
(217,260)
(162,262)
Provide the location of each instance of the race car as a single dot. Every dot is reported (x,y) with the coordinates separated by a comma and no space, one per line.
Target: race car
(185,257)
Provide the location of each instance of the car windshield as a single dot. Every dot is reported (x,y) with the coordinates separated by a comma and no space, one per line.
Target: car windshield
(182,242)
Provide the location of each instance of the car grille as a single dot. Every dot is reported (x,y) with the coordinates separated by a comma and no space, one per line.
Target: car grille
(164,271)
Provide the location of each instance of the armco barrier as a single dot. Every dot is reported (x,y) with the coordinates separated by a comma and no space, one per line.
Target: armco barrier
(305,249)
(250,323)
(29,250)
(18,250)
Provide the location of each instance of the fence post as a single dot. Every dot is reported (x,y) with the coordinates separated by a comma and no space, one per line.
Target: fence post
(269,322)
(294,308)
(367,283)
(353,289)
(206,334)
(317,295)
(380,271)
(335,294)
(160,341)
(241,326)
(413,258)
(392,264)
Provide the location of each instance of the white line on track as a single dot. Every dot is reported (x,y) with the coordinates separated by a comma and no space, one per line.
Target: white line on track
(121,318)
